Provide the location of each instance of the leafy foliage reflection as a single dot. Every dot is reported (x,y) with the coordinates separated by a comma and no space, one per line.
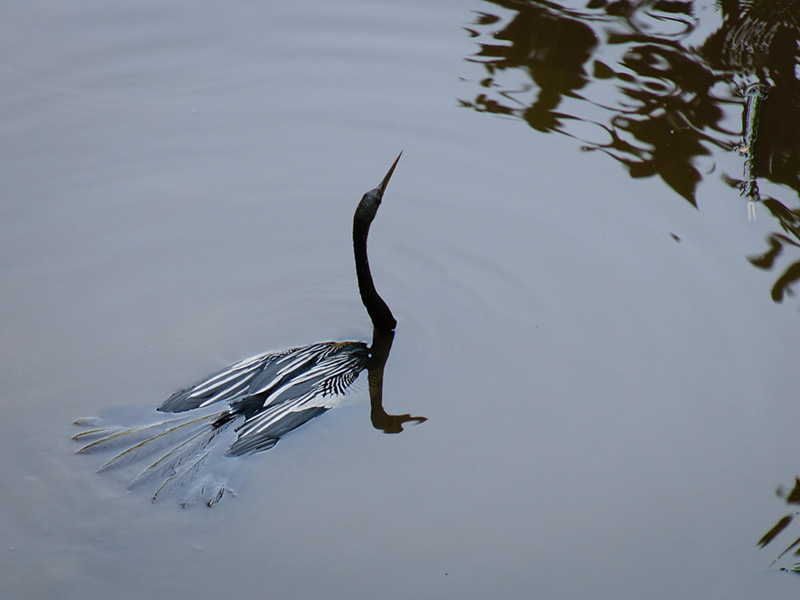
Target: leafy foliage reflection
(660,86)
(792,551)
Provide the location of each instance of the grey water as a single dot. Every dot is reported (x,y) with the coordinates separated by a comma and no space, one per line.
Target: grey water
(603,343)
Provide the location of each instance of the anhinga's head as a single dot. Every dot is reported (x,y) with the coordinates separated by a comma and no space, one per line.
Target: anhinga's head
(368,207)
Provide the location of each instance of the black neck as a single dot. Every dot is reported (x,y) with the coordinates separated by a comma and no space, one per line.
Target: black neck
(379,312)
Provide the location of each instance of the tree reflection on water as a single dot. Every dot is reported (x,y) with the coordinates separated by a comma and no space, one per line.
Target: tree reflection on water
(793,548)
(660,86)
(664,87)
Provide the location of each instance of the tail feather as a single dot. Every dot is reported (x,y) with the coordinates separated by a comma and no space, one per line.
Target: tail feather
(114,437)
(157,442)
(185,454)
(90,434)
(169,463)
(205,487)
(184,473)
(88,421)
(214,491)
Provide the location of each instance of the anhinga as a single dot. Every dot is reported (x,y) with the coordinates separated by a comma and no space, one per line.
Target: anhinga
(251,404)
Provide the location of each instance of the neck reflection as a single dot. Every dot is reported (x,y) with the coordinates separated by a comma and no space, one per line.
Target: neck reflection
(381,346)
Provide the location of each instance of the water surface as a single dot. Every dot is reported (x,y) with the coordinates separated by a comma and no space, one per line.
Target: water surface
(603,342)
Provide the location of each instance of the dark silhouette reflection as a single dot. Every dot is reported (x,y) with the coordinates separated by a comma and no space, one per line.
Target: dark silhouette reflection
(550,48)
(646,84)
(381,346)
(778,242)
(790,552)
(760,39)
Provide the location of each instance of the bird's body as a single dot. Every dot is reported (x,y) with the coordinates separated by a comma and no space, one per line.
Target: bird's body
(247,407)
(273,393)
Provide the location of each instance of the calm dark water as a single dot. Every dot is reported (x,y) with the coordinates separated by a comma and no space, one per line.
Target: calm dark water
(601,332)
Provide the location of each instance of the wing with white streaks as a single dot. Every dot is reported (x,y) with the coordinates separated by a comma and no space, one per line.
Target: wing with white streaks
(226,385)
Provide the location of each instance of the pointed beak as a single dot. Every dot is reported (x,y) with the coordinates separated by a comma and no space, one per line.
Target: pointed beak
(382,185)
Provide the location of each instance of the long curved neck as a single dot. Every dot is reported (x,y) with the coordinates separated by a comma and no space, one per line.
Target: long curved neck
(379,312)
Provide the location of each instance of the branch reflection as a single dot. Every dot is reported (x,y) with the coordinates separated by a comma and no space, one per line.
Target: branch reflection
(656,85)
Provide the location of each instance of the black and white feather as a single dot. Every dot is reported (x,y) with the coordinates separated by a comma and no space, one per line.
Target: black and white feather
(243,409)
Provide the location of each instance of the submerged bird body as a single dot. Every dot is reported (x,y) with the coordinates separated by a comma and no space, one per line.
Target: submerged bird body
(247,407)
(270,394)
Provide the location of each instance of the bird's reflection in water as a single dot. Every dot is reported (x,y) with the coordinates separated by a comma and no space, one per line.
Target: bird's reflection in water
(247,407)
(381,346)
